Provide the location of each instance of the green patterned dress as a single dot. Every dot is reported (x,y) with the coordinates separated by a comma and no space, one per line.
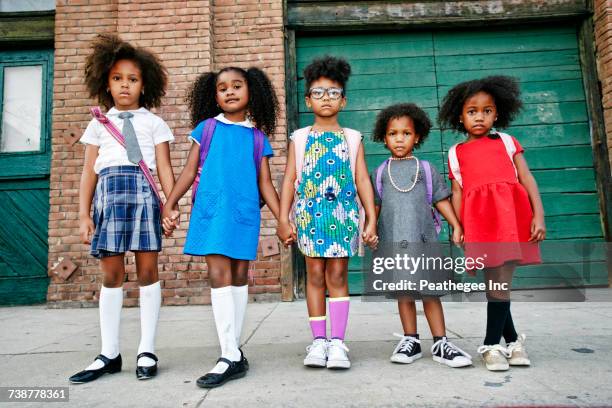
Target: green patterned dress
(326,212)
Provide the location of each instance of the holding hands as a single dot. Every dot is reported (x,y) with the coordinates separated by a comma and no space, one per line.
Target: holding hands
(286,232)
(457,235)
(170,220)
(369,235)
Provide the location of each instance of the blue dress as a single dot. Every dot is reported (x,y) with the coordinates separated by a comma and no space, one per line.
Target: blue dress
(225,217)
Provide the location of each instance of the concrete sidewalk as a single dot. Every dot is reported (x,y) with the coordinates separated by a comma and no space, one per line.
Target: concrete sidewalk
(570,345)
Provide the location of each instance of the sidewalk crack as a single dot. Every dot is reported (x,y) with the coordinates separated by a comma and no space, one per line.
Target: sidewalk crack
(260,323)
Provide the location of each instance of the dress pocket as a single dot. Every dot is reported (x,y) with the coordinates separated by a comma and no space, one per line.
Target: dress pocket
(208,201)
(245,209)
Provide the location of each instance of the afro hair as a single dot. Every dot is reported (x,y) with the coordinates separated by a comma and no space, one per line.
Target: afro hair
(336,69)
(107,50)
(263,102)
(422,124)
(504,90)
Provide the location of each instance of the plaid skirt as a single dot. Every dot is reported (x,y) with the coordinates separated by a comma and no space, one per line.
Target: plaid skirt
(126,213)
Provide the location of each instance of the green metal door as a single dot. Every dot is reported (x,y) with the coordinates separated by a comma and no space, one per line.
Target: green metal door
(26,87)
(421,67)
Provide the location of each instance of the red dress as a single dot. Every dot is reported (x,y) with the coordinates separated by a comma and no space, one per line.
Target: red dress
(495,208)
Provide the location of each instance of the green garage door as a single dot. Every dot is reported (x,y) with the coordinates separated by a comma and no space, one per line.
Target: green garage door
(553,127)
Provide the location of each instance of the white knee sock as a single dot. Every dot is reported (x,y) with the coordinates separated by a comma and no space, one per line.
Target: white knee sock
(150,302)
(241,298)
(223,310)
(111,301)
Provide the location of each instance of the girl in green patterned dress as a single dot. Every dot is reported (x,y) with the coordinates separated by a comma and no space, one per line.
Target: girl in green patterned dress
(326,180)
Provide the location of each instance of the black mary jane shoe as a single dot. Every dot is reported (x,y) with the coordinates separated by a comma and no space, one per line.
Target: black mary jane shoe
(111,366)
(144,373)
(244,360)
(235,370)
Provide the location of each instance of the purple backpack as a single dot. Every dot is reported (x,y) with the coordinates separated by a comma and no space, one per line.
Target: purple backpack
(427,170)
(207,134)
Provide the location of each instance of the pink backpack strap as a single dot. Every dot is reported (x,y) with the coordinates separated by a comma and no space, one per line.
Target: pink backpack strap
(112,129)
(299,138)
(510,148)
(453,163)
(353,140)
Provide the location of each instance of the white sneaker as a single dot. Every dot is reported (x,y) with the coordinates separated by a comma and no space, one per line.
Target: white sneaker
(317,354)
(337,355)
(445,352)
(407,351)
(495,357)
(518,354)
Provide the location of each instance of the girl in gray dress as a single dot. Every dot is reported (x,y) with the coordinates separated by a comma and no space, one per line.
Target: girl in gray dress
(405,190)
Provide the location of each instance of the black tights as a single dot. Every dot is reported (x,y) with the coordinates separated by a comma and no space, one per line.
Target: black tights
(499,322)
(499,317)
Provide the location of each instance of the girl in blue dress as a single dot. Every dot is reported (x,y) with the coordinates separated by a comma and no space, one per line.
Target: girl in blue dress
(225,217)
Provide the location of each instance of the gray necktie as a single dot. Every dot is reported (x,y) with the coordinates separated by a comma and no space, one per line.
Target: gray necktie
(131,142)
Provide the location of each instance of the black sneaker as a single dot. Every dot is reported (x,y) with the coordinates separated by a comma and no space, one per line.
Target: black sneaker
(407,350)
(445,352)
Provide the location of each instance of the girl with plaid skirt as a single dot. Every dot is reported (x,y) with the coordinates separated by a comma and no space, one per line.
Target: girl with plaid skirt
(230,110)
(126,214)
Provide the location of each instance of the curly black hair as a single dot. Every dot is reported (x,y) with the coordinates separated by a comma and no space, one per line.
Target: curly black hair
(263,103)
(504,90)
(107,49)
(422,124)
(336,69)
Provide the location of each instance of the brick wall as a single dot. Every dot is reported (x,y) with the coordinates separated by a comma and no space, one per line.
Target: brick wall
(243,33)
(603,43)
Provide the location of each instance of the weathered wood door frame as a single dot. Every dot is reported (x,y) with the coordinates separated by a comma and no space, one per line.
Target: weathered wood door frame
(333,18)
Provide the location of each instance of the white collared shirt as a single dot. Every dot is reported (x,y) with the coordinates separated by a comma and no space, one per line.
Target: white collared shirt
(221,118)
(150,129)
(246,123)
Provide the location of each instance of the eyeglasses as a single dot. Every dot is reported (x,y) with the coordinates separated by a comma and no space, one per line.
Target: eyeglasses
(319,92)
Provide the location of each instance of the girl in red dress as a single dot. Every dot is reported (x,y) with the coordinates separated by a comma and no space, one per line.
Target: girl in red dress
(497,200)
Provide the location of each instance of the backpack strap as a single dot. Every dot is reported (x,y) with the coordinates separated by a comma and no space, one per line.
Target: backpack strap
(510,148)
(429,184)
(299,138)
(205,140)
(453,163)
(258,147)
(379,176)
(428,181)
(96,112)
(353,140)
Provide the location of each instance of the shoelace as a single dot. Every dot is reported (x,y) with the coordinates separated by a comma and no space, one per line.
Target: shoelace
(339,344)
(448,349)
(516,345)
(321,343)
(498,347)
(407,343)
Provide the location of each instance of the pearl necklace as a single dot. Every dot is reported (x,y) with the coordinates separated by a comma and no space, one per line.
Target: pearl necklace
(416,176)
